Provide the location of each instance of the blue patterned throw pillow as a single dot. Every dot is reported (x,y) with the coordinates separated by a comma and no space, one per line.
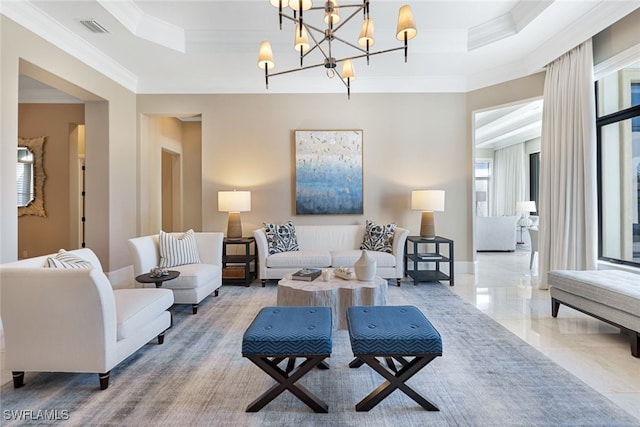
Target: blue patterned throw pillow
(378,237)
(281,238)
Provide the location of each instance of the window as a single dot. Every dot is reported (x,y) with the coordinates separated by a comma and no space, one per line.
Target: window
(618,132)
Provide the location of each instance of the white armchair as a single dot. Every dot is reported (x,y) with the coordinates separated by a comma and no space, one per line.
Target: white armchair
(71,320)
(196,281)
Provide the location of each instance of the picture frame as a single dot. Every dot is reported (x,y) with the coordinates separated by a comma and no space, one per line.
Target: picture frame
(328,172)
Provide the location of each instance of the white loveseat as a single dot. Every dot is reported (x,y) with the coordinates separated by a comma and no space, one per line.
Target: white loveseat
(71,319)
(196,281)
(328,246)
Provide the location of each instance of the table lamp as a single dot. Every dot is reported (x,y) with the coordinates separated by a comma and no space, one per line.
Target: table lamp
(427,201)
(234,202)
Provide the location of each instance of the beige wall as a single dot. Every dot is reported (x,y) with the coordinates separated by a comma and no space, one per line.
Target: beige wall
(110,118)
(54,121)
(410,141)
(622,35)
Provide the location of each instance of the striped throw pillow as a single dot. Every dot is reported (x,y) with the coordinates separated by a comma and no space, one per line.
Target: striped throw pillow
(64,259)
(178,250)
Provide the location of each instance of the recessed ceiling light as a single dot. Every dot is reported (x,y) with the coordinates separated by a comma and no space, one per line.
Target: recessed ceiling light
(94,26)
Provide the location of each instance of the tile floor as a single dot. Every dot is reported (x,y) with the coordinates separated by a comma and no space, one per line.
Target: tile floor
(506,290)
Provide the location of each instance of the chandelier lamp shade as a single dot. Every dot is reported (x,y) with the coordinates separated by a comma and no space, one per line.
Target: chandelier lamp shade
(310,37)
(427,201)
(234,202)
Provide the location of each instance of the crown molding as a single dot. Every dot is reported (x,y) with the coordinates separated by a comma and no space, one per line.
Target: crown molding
(507,25)
(617,62)
(596,19)
(32,18)
(145,26)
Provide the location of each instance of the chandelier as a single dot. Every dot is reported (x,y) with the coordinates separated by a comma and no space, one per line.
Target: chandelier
(323,39)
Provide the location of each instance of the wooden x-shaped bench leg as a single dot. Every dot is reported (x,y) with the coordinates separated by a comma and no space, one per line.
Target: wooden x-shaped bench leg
(287,381)
(394,381)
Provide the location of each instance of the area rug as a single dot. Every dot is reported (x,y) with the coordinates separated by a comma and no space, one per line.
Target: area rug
(486,377)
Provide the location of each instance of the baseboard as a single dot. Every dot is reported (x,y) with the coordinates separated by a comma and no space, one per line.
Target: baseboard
(465,267)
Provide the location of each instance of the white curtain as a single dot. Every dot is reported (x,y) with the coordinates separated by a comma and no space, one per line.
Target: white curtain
(508,179)
(568,184)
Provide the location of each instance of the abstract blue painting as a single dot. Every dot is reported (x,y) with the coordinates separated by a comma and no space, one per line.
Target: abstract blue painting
(328,172)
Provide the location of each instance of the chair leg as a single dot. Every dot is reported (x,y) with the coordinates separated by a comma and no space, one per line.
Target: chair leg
(287,381)
(398,282)
(161,338)
(18,379)
(194,308)
(104,380)
(264,282)
(533,254)
(215,294)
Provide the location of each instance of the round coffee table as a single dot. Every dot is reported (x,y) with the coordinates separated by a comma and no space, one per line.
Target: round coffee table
(336,293)
(148,278)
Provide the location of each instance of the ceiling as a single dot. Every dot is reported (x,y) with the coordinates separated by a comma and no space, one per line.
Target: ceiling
(212,46)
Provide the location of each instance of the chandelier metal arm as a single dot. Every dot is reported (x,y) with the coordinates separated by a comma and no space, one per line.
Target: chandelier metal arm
(393,49)
(348,18)
(406,30)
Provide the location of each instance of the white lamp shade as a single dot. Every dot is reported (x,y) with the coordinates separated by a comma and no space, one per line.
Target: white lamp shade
(265,56)
(527,206)
(348,71)
(366,33)
(234,201)
(277,3)
(406,24)
(295,4)
(301,40)
(333,14)
(427,200)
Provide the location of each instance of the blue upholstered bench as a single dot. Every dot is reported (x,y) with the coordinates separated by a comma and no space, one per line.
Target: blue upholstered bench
(278,333)
(393,333)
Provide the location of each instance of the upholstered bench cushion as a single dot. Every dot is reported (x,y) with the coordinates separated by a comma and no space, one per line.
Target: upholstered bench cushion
(299,259)
(614,288)
(136,308)
(391,330)
(289,331)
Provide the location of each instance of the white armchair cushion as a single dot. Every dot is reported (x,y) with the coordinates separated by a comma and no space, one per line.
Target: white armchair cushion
(178,250)
(135,308)
(194,276)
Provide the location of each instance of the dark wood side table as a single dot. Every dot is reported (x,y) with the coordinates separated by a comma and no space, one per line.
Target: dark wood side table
(427,250)
(158,280)
(239,269)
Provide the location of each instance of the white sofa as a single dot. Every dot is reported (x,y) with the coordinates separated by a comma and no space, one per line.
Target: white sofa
(496,233)
(328,246)
(196,281)
(71,320)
